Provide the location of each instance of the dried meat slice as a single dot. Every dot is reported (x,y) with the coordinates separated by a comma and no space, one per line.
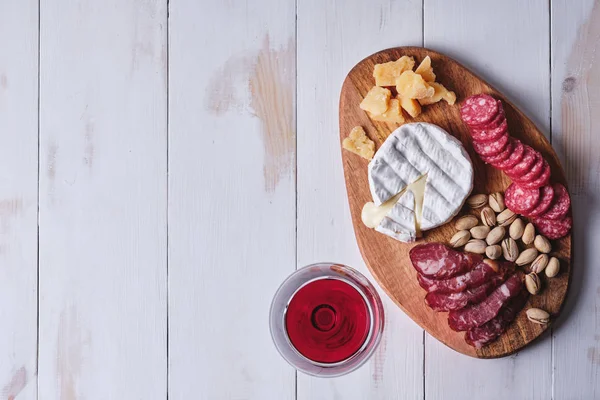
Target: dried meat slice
(518,151)
(553,229)
(534,172)
(488,149)
(490,134)
(560,205)
(455,301)
(524,165)
(546,198)
(482,273)
(543,179)
(500,157)
(491,330)
(437,261)
(479,110)
(480,313)
(496,121)
(521,200)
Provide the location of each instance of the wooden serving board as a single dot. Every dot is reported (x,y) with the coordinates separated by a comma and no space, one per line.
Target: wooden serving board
(387,258)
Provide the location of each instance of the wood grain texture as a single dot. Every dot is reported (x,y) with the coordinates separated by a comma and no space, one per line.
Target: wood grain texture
(575,124)
(332,37)
(18,198)
(388,259)
(103,200)
(232,218)
(507,43)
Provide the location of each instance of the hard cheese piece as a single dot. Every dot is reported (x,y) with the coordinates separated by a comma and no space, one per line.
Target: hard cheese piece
(358,143)
(413,151)
(440,92)
(413,86)
(392,114)
(386,74)
(424,69)
(411,106)
(376,101)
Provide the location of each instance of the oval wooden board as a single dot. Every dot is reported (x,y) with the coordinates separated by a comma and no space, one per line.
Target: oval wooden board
(387,258)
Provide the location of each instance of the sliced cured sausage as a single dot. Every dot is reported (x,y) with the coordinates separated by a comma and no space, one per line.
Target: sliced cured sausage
(496,121)
(480,313)
(543,179)
(455,301)
(534,172)
(524,165)
(521,200)
(500,157)
(487,149)
(518,150)
(482,273)
(437,261)
(491,330)
(489,134)
(553,229)
(560,205)
(546,198)
(479,110)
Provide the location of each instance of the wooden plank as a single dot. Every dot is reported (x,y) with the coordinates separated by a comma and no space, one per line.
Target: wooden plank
(336,36)
(103,200)
(575,123)
(18,198)
(482,35)
(232,216)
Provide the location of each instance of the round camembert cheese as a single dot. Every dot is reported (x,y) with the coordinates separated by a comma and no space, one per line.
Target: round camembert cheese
(419,180)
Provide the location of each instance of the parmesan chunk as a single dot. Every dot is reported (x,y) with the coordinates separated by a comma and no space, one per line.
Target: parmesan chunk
(386,74)
(392,114)
(413,86)
(424,69)
(376,101)
(440,93)
(358,143)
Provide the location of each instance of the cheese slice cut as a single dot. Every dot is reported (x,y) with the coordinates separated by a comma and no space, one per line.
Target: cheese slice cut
(421,175)
(408,203)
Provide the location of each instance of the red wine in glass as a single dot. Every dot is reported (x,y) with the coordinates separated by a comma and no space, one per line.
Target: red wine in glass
(326,319)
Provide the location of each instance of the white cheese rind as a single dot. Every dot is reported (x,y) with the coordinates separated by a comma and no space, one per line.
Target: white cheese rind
(410,152)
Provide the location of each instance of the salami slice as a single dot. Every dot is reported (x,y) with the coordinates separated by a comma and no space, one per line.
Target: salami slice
(500,157)
(535,171)
(482,273)
(561,204)
(524,165)
(489,134)
(553,229)
(521,200)
(479,110)
(496,121)
(491,330)
(543,179)
(434,260)
(478,314)
(486,149)
(455,301)
(518,150)
(546,198)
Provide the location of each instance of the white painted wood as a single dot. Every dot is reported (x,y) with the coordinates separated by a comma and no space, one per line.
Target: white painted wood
(103,200)
(232,218)
(507,43)
(575,125)
(18,198)
(332,37)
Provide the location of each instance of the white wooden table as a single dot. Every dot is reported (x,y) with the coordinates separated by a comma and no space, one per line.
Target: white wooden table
(165,165)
